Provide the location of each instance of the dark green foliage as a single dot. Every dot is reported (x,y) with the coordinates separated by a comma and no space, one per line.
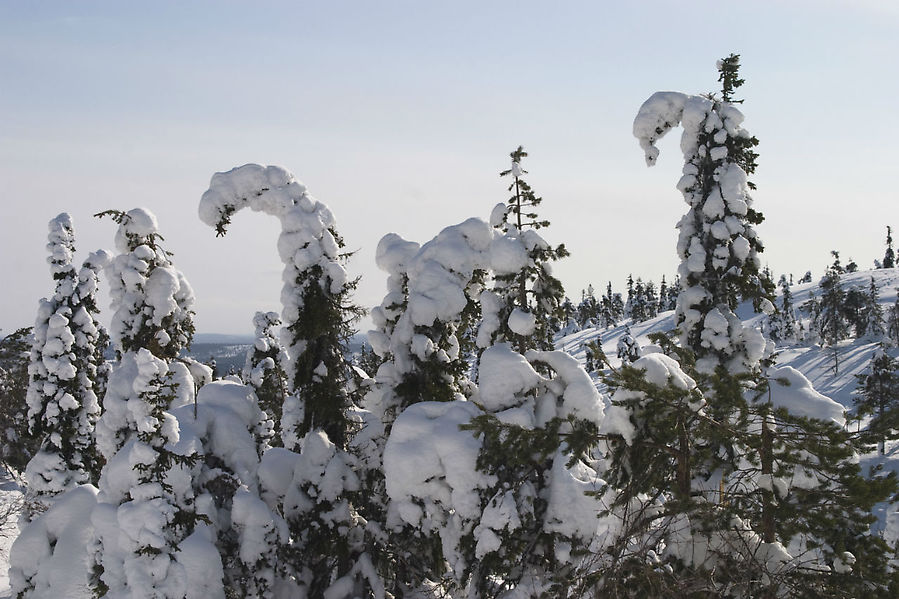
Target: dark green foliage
(521,459)
(533,289)
(877,397)
(831,322)
(675,447)
(728,75)
(19,445)
(889,257)
(892,323)
(320,373)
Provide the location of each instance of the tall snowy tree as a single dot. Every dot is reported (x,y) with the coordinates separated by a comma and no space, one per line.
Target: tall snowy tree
(319,316)
(722,437)
(62,404)
(877,396)
(18,446)
(531,296)
(318,313)
(718,245)
(146,506)
(872,321)
(892,322)
(889,257)
(783,323)
(831,322)
(264,372)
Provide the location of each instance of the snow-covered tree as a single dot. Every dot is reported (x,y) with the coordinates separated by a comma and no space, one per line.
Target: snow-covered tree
(892,322)
(831,320)
(18,445)
(872,314)
(318,317)
(146,527)
(589,309)
(263,371)
(530,296)
(720,461)
(889,257)
(784,326)
(877,396)
(62,404)
(628,349)
(718,245)
(433,291)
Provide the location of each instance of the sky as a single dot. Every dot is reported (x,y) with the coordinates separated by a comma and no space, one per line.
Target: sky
(400,115)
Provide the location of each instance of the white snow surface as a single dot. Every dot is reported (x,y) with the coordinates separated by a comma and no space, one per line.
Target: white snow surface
(430,463)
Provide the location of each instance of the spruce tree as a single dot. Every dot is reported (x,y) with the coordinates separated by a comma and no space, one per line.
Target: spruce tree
(532,291)
(889,257)
(831,322)
(877,397)
(652,300)
(62,404)
(722,434)
(783,323)
(892,322)
(319,317)
(264,372)
(872,314)
(19,446)
(152,322)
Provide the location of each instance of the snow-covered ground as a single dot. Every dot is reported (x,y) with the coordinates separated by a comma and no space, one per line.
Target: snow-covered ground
(10,499)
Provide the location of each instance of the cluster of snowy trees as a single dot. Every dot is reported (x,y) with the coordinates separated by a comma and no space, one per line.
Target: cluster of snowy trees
(643,302)
(473,459)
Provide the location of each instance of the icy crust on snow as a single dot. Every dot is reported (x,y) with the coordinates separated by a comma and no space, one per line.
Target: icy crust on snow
(790,389)
(48,559)
(430,464)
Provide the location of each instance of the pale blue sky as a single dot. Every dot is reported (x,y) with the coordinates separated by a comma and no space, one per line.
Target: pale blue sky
(399,116)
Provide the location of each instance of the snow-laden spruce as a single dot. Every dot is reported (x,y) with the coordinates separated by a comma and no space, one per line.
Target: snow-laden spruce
(61,396)
(264,372)
(717,244)
(148,537)
(732,471)
(316,310)
(327,540)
